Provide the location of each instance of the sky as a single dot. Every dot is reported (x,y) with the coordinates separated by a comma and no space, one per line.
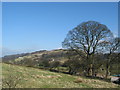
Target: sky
(33,26)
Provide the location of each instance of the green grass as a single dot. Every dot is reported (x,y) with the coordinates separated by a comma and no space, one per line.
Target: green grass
(37,78)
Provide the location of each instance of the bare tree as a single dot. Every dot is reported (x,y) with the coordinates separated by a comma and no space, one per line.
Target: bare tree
(110,47)
(86,37)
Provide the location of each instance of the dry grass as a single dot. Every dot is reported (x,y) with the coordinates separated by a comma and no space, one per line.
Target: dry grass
(36,78)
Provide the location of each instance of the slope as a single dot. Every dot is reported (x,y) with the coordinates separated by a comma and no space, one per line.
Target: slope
(27,77)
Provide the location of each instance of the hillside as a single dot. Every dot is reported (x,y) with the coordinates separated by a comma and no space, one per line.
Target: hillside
(8,58)
(36,78)
(32,59)
(38,58)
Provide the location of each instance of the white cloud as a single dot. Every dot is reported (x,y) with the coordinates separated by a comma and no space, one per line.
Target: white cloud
(60,48)
(6,51)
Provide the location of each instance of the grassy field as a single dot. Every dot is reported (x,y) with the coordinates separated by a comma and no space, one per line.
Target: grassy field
(27,77)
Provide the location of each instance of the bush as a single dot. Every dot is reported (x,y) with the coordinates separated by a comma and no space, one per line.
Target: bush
(11,81)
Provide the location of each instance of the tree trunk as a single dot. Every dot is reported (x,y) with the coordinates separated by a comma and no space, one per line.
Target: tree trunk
(92,72)
(88,71)
(107,71)
(70,70)
(92,66)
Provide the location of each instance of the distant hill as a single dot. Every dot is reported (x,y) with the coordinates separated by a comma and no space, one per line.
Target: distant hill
(35,57)
(8,58)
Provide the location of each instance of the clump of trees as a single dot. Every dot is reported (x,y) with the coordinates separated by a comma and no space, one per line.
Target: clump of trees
(96,41)
(74,62)
(54,65)
(110,47)
(50,65)
(26,61)
(73,65)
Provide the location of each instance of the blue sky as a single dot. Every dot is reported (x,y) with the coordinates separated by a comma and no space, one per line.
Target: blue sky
(35,26)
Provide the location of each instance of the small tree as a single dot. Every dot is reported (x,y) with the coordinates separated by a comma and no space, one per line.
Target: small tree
(54,64)
(110,47)
(45,63)
(74,63)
